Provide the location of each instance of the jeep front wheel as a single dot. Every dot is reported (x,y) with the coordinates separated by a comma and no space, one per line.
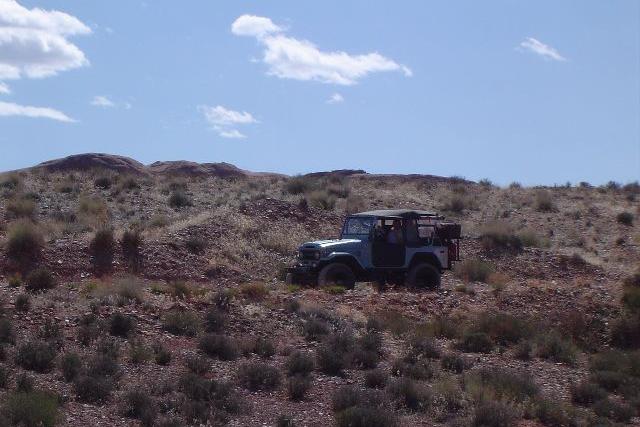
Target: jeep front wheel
(337,274)
(423,275)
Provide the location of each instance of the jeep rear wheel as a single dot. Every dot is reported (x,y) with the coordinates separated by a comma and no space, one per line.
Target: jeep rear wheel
(337,274)
(424,276)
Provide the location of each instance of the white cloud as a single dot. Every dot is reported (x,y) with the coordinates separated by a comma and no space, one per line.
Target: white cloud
(4,89)
(34,42)
(102,101)
(8,109)
(536,46)
(291,58)
(224,120)
(336,98)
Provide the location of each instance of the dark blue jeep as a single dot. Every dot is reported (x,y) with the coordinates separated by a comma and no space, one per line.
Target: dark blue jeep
(400,246)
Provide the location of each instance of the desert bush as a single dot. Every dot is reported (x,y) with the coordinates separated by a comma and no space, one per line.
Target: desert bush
(162,355)
(130,244)
(442,327)
(376,378)
(625,332)
(394,321)
(102,248)
(10,181)
(4,377)
(258,376)
(421,346)
(499,237)
(616,411)
(7,333)
(453,362)
(523,350)
(51,332)
(616,371)
(21,207)
(544,201)
(214,320)
(473,270)
(217,394)
(300,184)
(138,405)
(93,389)
(553,346)
(35,356)
(197,364)
(218,346)
(321,199)
(531,239)
(121,325)
(418,369)
(297,386)
(502,328)
(39,280)
(553,413)
(493,414)
(284,420)
(314,329)
(263,347)
(24,383)
(102,366)
(494,383)
(180,289)
(24,242)
(475,342)
(70,365)
(586,393)
(457,203)
(195,244)
(31,409)
(103,182)
(94,210)
(128,183)
(334,354)
(179,199)
(407,393)
(223,299)
(254,291)
(625,218)
(23,303)
(181,322)
(299,363)
(354,408)
(138,352)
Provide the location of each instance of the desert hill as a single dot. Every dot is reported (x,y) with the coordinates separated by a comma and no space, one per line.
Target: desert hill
(153,295)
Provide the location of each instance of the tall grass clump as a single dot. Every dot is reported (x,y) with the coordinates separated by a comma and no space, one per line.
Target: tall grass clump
(24,242)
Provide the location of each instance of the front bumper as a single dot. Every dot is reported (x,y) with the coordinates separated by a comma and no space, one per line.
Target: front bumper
(303,273)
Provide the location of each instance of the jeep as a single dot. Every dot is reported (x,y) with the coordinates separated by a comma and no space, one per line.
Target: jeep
(399,246)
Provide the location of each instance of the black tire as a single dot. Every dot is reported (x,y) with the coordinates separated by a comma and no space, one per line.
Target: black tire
(424,276)
(337,273)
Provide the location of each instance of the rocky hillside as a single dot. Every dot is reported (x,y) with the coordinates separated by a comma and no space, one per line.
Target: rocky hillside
(153,295)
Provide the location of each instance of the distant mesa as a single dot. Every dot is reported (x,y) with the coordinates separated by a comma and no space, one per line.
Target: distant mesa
(91,161)
(337,173)
(183,167)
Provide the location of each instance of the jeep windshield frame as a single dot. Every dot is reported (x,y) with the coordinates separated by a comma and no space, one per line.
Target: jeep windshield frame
(357,227)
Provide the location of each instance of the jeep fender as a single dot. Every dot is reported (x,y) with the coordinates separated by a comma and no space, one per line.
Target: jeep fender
(344,258)
(427,257)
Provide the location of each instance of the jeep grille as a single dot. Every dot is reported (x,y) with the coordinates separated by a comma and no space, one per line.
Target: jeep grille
(308,254)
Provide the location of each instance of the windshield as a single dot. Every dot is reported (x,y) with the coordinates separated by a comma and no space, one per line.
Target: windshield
(358,226)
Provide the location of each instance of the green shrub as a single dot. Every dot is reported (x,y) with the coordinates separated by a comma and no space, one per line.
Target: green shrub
(586,393)
(24,383)
(35,356)
(40,280)
(619,412)
(4,377)
(625,218)
(443,327)
(421,346)
(505,384)
(544,201)
(24,242)
(454,363)
(258,376)
(409,394)
(7,333)
(523,350)
(181,322)
(219,346)
(285,421)
(138,352)
(365,416)
(102,365)
(162,355)
(322,199)
(473,270)
(121,325)
(70,365)
(197,364)
(223,299)
(31,409)
(553,346)
(179,199)
(195,245)
(625,332)
(179,289)
(220,395)
(418,369)
(299,363)
(254,291)
(376,378)
(21,207)
(299,184)
(130,244)
(137,404)
(93,389)
(499,237)
(23,303)
(214,320)
(502,328)
(334,354)
(314,329)
(553,413)
(475,342)
(297,386)
(102,248)
(493,414)
(104,182)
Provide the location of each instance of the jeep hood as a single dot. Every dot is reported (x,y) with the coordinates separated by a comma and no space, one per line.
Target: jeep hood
(333,244)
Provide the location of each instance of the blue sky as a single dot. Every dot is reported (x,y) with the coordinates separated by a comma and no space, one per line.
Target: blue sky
(539,92)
